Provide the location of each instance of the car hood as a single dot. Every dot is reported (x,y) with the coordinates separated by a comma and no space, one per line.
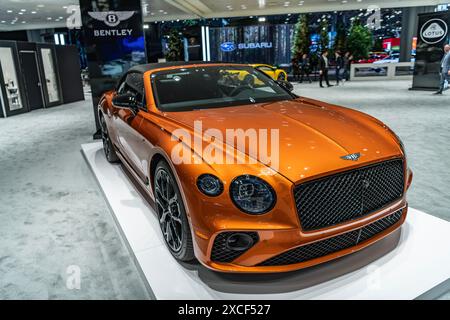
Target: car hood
(313,136)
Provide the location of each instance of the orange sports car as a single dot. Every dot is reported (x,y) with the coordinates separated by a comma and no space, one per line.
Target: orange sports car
(246,176)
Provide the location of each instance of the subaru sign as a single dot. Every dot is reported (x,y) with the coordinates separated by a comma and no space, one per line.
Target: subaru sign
(231,46)
(228,46)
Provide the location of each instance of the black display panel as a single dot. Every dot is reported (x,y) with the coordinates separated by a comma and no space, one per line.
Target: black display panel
(270,44)
(114,40)
(70,70)
(432,35)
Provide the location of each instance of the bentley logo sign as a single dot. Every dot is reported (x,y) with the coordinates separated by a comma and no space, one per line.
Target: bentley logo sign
(352,157)
(111,18)
(434,31)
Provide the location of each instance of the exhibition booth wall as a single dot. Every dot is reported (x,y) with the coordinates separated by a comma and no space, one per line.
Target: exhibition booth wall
(433,34)
(38,75)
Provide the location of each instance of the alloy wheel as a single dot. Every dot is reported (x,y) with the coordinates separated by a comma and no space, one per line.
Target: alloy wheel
(169,212)
(105,139)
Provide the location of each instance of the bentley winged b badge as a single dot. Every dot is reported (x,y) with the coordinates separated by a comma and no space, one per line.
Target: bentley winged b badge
(352,157)
(111,18)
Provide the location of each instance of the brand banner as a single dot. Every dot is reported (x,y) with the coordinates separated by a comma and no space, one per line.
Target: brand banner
(269,44)
(432,35)
(114,40)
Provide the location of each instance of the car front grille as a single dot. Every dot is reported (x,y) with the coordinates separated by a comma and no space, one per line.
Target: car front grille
(222,253)
(325,247)
(349,195)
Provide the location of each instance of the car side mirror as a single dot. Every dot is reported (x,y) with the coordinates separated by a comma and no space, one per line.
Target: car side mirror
(285,85)
(125,101)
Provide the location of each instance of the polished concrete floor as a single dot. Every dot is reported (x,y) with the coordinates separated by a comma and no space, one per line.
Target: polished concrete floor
(54,220)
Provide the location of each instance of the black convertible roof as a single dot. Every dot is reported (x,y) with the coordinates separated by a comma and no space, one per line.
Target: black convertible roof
(152,66)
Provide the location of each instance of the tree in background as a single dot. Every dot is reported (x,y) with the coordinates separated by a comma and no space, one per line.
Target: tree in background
(176,47)
(378,45)
(340,43)
(324,34)
(359,40)
(302,37)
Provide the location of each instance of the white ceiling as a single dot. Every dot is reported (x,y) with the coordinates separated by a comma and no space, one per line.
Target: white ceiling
(28,14)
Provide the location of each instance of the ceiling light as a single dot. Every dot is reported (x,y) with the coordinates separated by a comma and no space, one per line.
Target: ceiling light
(9,11)
(33,12)
(146,26)
(262,19)
(23,10)
(40,6)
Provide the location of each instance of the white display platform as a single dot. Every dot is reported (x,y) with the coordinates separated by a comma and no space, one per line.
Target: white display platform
(402,266)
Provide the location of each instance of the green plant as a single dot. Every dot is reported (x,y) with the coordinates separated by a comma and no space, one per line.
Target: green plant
(176,47)
(302,37)
(378,45)
(340,43)
(359,40)
(324,34)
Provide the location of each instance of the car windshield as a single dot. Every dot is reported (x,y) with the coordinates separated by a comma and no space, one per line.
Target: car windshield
(214,87)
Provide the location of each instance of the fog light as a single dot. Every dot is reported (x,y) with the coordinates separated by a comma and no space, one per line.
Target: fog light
(239,242)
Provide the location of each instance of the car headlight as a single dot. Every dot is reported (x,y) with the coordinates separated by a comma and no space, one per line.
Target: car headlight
(210,185)
(252,194)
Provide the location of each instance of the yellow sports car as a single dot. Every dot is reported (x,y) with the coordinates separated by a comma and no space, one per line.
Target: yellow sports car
(271,71)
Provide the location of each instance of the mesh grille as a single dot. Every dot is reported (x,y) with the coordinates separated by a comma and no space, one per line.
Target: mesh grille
(325,247)
(349,195)
(220,251)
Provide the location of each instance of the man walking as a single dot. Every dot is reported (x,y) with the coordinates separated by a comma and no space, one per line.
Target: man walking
(324,66)
(445,69)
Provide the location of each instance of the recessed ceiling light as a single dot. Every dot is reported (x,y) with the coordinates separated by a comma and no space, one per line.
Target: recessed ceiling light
(9,11)
(40,6)
(49,18)
(20,13)
(33,12)
(23,10)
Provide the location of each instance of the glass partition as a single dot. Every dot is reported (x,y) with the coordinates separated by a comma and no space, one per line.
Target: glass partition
(10,80)
(50,75)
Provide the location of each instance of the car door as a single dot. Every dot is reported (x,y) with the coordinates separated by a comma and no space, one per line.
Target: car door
(127,123)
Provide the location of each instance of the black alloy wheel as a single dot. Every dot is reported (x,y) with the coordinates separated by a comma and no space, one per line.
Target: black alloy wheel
(171,214)
(281,77)
(108,147)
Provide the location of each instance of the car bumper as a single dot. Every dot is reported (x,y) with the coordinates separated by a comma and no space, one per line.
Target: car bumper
(273,243)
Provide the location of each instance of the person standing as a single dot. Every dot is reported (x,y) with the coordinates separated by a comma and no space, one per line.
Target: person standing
(347,60)
(324,66)
(339,65)
(445,69)
(305,68)
(295,68)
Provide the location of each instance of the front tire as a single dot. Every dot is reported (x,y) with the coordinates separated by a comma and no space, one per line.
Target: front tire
(281,77)
(172,214)
(108,147)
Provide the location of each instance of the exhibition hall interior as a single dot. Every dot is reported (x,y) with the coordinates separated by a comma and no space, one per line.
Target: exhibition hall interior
(224,150)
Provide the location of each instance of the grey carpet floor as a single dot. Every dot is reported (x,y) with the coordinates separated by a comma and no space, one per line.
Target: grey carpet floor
(53,215)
